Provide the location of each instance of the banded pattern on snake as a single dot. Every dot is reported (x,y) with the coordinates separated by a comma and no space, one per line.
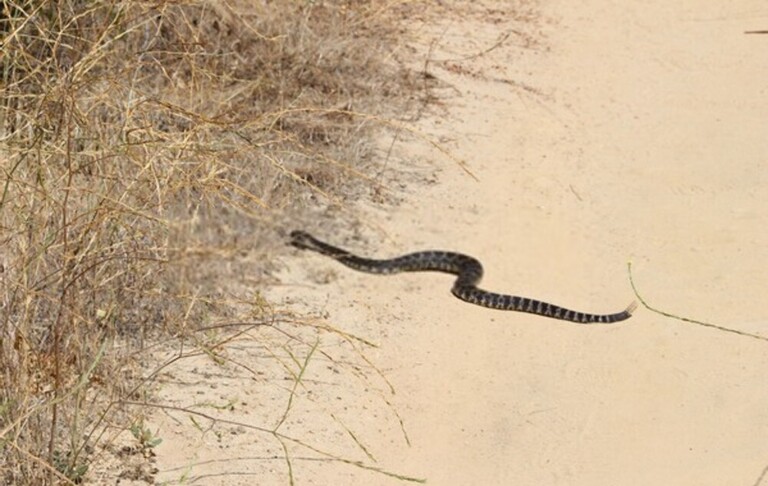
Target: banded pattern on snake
(468,273)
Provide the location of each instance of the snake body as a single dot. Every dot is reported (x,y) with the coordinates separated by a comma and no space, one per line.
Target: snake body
(468,273)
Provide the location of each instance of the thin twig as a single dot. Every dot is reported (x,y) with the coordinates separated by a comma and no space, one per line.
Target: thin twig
(686,319)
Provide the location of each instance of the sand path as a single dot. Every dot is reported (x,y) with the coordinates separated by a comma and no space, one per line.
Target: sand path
(599,132)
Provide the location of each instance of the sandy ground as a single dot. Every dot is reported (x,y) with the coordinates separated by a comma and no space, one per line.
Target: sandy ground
(598,133)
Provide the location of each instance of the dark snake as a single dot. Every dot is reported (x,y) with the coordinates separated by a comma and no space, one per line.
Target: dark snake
(468,273)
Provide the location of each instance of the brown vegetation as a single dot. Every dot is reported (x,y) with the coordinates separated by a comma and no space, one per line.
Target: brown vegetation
(141,143)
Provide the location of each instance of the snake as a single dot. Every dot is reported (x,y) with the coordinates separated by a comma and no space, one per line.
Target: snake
(468,271)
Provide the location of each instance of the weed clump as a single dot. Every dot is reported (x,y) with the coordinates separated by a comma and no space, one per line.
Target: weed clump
(142,143)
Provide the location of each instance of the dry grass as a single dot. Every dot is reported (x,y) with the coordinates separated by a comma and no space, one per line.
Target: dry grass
(140,144)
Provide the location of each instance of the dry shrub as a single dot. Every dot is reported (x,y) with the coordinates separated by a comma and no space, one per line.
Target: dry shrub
(137,141)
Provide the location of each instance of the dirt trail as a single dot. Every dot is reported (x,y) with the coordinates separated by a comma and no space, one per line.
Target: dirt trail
(625,132)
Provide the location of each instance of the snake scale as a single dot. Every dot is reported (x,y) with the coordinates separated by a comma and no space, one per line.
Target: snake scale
(468,273)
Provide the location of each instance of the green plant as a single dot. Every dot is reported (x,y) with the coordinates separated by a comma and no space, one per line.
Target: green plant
(65,464)
(146,438)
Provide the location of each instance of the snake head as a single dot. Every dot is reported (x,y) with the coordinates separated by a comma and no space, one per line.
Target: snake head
(301,239)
